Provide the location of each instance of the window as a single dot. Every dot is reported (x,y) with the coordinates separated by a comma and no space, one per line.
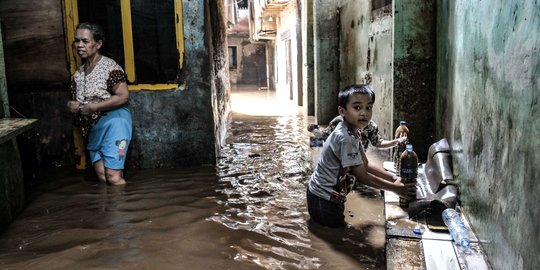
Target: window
(232,57)
(376,4)
(242,4)
(143,36)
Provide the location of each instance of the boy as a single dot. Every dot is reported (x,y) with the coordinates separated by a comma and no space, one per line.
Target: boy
(342,154)
(369,134)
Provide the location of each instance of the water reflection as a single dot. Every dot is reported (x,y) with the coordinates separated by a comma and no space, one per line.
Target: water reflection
(248,212)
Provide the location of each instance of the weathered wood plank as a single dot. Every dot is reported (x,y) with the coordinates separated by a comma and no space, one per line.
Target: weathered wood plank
(404,254)
(11,127)
(33,40)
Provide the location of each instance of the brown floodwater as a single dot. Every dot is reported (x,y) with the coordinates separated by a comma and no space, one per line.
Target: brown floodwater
(248,212)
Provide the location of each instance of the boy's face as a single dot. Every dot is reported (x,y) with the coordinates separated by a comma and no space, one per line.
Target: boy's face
(358,111)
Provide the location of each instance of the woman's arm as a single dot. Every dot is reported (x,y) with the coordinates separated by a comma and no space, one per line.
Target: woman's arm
(120,97)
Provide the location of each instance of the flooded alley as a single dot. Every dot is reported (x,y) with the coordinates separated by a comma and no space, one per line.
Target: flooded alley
(248,212)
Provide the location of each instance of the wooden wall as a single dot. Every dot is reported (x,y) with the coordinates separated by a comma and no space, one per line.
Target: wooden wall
(35,50)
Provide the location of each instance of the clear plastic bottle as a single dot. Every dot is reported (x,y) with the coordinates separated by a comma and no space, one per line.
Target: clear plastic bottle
(457,229)
(408,170)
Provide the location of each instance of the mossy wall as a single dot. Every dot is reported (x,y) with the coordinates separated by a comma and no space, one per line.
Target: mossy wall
(487,106)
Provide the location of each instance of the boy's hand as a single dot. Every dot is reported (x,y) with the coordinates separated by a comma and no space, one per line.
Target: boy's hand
(406,191)
(402,140)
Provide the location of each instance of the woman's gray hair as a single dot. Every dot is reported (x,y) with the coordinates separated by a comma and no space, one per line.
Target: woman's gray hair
(95,29)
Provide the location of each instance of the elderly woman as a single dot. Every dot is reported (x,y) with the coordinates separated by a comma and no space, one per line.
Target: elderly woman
(99,104)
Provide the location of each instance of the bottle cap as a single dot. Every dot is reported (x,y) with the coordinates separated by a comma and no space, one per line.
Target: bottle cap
(409,147)
(401,123)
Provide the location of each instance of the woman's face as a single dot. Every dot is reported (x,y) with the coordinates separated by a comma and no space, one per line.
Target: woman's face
(85,45)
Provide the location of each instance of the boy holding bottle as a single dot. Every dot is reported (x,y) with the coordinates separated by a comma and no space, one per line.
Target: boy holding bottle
(342,154)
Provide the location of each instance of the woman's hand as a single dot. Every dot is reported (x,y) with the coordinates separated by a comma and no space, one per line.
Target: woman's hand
(73,106)
(87,109)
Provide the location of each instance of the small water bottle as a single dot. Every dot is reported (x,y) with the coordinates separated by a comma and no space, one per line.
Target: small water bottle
(317,139)
(457,229)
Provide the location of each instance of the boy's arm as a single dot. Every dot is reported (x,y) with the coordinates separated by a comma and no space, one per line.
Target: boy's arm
(381,172)
(378,171)
(393,143)
(403,190)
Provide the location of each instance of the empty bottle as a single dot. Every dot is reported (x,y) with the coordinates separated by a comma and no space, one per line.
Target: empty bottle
(402,132)
(457,229)
(408,170)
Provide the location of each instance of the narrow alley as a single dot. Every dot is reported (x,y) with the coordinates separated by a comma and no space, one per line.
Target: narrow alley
(248,213)
(214,100)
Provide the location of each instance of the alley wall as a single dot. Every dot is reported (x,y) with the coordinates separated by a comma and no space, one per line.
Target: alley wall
(366,56)
(487,106)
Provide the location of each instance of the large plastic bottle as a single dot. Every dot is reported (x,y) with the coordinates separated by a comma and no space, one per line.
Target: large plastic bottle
(408,170)
(457,229)
(402,132)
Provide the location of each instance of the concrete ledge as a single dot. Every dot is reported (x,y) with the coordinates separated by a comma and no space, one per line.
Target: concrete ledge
(11,127)
(433,249)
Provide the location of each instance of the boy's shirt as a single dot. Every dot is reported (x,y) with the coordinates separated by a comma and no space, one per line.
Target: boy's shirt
(340,151)
(369,134)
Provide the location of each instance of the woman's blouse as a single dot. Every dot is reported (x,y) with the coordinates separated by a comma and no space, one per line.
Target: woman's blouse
(95,87)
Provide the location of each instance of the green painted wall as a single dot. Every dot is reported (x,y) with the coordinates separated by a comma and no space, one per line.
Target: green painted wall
(414,71)
(326,59)
(487,106)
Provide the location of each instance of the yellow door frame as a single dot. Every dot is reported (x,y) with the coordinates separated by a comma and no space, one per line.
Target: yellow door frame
(71,18)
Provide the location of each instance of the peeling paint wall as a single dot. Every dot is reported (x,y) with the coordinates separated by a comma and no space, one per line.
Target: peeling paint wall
(326,59)
(177,128)
(251,60)
(487,106)
(221,88)
(308,87)
(366,56)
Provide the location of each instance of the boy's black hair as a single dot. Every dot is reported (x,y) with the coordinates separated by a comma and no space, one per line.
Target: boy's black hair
(95,29)
(345,93)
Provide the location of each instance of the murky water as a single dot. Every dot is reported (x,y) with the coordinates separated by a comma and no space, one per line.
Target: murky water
(248,212)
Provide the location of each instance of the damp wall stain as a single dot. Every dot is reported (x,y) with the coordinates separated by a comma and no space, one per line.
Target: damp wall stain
(414,72)
(487,93)
(366,56)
